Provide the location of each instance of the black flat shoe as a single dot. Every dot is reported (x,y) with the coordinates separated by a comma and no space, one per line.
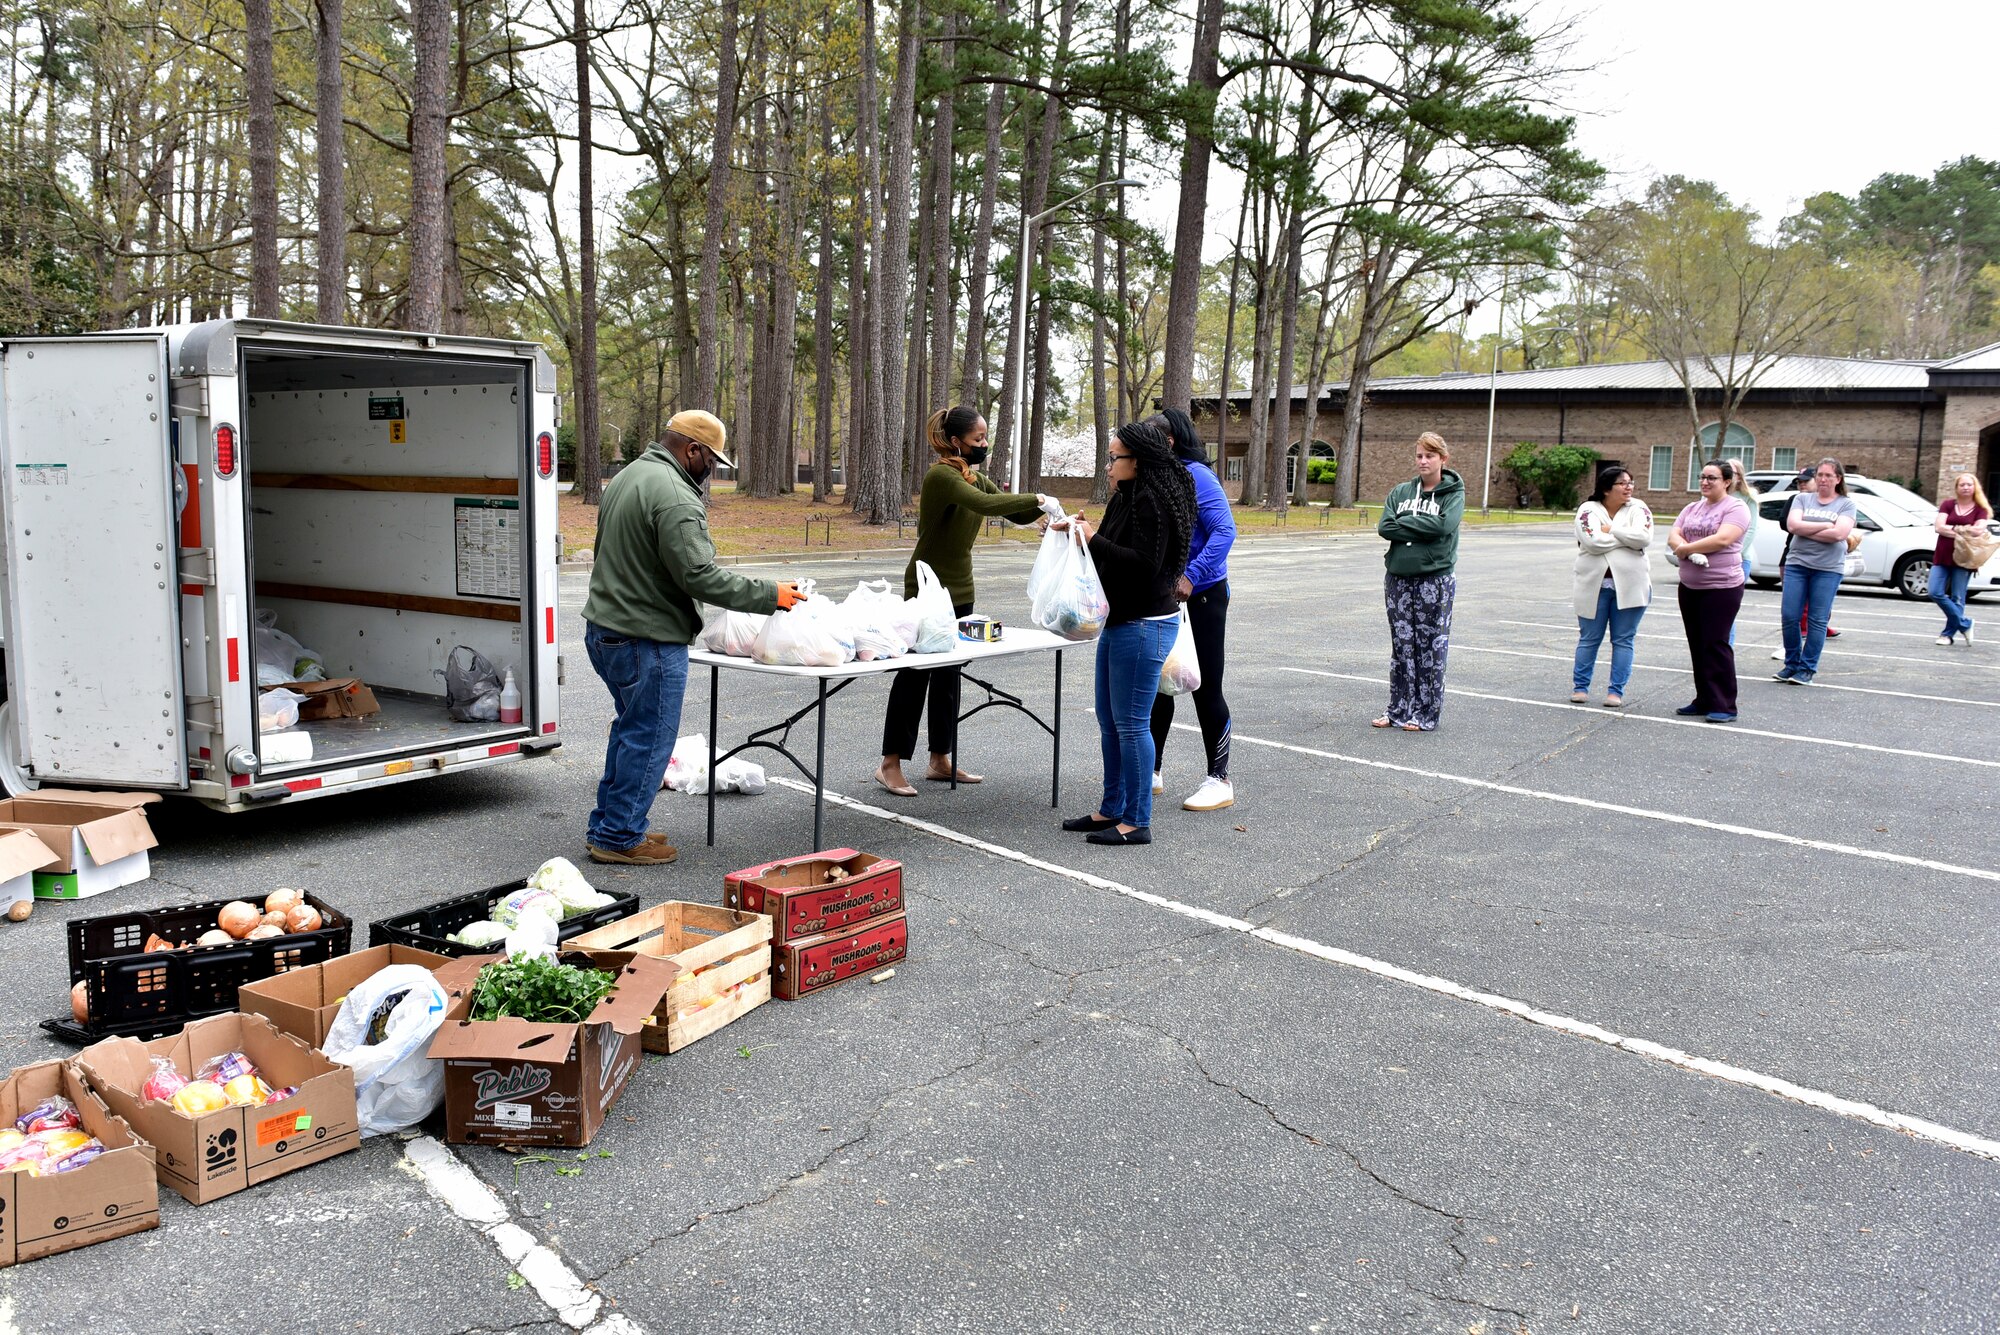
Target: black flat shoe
(1142,835)
(1685,710)
(1088,825)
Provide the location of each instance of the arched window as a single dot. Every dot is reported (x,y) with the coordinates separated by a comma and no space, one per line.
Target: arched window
(1320,450)
(1740,445)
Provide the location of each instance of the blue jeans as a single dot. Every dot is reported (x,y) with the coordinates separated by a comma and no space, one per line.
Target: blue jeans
(647,680)
(1129,658)
(1948,585)
(1623,623)
(1807,592)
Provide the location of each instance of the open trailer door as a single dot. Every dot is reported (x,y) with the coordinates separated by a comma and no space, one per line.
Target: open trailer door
(93,619)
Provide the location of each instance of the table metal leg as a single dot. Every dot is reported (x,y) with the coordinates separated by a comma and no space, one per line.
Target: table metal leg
(819,776)
(1055,765)
(714,688)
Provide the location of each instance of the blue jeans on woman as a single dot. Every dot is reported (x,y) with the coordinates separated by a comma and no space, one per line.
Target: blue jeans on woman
(1948,584)
(1129,658)
(1809,593)
(647,680)
(1623,623)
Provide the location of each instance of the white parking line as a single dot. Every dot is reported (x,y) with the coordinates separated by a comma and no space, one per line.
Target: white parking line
(1741,677)
(1843,611)
(1589,711)
(447,1178)
(1934,661)
(1658,609)
(1854,1109)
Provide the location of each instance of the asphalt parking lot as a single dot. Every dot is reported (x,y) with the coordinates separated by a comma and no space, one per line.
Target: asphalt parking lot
(1553,1019)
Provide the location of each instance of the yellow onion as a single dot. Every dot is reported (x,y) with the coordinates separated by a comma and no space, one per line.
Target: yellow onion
(283,901)
(237,918)
(79,1002)
(214,937)
(302,918)
(264,932)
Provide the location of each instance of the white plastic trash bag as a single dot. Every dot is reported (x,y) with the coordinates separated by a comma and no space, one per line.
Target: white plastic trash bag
(813,633)
(384,1032)
(1072,602)
(937,620)
(688,766)
(731,633)
(739,776)
(1181,673)
(278,709)
(882,622)
(280,658)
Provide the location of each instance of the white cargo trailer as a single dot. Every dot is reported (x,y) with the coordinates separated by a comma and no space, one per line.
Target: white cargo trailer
(389,496)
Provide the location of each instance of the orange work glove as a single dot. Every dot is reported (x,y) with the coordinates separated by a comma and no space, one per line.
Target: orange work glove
(788,595)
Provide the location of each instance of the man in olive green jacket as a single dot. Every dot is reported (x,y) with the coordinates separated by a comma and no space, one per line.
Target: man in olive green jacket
(654,562)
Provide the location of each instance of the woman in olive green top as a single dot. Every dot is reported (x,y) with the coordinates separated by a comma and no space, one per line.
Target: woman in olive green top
(953,502)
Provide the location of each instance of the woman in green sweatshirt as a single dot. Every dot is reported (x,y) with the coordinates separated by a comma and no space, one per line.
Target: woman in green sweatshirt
(1420,521)
(953,502)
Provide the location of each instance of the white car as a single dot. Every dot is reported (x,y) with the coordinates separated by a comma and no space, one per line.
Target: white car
(1896,545)
(1767,483)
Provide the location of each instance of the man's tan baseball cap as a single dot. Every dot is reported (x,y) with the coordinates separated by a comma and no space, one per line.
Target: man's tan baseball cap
(705,427)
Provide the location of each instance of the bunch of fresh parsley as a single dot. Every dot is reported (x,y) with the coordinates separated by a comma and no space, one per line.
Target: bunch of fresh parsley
(540,991)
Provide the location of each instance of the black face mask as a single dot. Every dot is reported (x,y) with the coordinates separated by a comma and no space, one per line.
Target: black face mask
(700,475)
(976,456)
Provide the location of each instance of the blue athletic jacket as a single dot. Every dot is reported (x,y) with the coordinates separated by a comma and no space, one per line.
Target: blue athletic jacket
(1214,530)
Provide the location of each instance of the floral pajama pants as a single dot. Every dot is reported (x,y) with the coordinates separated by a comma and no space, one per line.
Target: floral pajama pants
(1419,636)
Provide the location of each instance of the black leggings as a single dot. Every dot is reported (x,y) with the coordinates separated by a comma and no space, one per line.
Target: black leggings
(1208,616)
(906,707)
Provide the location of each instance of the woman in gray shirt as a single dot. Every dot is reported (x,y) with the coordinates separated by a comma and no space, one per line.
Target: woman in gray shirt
(1819,522)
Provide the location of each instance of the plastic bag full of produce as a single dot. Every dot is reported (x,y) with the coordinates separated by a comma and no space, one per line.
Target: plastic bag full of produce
(731,633)
(280,658)
(937,619)
(384,1031)
(278,709)
(519,903)
(1072,602)
(877,629)
(560,878)
(1181,673)
(687,768)
(812,634)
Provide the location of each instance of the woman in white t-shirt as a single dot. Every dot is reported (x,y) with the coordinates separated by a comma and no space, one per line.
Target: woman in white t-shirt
(1613,581)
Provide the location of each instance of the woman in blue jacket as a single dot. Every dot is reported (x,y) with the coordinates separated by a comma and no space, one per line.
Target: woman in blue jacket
(1204,589)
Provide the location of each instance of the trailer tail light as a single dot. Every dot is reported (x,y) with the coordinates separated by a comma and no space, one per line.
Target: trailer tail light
(545,454)
(225,450)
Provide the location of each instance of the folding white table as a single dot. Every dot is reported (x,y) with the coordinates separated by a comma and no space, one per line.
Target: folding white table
(831,681)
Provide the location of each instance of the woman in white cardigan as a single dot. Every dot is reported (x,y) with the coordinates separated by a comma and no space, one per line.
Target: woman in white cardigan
(1614,581)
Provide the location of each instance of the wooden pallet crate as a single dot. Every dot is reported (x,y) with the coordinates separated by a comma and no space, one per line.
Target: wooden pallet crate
(725,959)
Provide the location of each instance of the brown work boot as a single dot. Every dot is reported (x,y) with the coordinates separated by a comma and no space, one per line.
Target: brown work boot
(648,852)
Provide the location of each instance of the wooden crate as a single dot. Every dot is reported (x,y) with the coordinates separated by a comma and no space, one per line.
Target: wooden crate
(717,949)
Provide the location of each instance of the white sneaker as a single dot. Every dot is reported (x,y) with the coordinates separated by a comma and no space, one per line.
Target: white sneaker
(1159,784)
(1967,633)
(1213,795)
(1944,640)
(1777,655)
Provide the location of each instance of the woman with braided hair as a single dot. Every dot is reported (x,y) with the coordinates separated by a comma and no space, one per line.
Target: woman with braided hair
(952,502)
(1141,552)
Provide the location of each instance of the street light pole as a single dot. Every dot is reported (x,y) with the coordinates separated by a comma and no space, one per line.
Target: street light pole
(1019,437)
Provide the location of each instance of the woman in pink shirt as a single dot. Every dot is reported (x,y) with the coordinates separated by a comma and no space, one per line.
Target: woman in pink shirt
(1708,539)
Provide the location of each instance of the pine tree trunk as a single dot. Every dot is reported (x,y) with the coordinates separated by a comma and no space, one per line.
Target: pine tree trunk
(708,368)
(896,240)
(823,316)
(1038,241)
(261,89)
(431,29)
(331,153)
(972,379)
(1100,411)
(589,426)
(870,496)
(1184,282)
(1315,382)
(785,313)
(1229,347)
(916,388)
(944,130)
(1275,486)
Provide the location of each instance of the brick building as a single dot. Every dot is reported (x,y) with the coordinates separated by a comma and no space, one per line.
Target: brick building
(1923,422)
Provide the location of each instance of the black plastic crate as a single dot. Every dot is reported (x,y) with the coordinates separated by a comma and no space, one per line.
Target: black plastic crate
(427,928)
(137,995)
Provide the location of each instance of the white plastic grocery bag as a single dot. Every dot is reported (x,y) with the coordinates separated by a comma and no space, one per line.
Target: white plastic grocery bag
(1072,602)
(937,620)
(731,633)
(687,768)
(813,633)
(396,1084)
(1181,673)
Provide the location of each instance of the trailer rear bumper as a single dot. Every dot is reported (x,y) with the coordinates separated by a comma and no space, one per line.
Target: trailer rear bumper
(246,792)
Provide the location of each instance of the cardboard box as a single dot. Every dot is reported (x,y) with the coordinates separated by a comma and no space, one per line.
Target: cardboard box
(206,1158)
(337,697)
(303,1002)
(725,961)
(100,839)
(509,1082)
(801,968)
(803,902)
(21,852)
(113,1195)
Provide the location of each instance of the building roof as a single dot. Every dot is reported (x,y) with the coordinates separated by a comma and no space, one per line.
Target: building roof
(1786,373)
(1979,359)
